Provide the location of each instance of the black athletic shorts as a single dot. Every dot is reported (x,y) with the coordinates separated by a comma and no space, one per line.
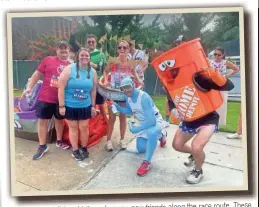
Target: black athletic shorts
(76,114)
(46,110)
(99,99)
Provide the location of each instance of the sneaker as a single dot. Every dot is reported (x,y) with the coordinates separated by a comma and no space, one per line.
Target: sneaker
(77,155)
(195,176)
(144,168)
(234,136)
(190,162)
(109,146)
(42,149)
(123,145)
(163,139)
(61,144)
(84,152)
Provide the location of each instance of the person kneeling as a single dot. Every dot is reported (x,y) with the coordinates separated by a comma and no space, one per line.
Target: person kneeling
(150,122)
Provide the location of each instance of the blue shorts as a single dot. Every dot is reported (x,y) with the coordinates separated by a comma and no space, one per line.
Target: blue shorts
(194,130)
(46,110)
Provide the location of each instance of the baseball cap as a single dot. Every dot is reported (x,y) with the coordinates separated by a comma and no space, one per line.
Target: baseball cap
(62,43)
(126,84)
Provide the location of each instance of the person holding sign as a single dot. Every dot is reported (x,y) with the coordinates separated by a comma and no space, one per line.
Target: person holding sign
(50,68)
(118,68)
(77,93)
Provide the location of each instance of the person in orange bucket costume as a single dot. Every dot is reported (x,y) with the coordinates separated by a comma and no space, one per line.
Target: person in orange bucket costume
(195,90)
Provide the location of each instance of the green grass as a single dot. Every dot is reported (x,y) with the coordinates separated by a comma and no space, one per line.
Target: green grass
(234,108)
(232,113)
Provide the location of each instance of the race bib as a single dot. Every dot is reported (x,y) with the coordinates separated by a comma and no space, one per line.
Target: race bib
(80,95)
(54,81)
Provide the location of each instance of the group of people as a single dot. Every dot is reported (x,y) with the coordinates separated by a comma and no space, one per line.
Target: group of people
(69,91)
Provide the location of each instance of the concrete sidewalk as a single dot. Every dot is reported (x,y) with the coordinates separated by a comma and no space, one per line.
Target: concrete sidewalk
(57,170)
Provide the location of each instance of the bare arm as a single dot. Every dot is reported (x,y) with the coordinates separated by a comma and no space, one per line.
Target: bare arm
(143,63)
(34,79)
(134,73)
(105,74)
(233,67)
(144,67)
(93,92)
(62,82)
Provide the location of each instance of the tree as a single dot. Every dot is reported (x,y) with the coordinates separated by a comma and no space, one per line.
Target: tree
(226,29)
(171,31)
(44,46)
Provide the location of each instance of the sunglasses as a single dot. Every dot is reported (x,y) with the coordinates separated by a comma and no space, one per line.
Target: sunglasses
(122,47)
(90,42)
(217,54)
(126,88)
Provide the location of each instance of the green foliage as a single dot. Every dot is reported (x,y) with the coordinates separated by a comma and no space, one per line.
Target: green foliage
(226,29)
(44,46)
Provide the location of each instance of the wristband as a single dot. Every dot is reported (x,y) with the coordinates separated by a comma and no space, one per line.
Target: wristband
(62,106)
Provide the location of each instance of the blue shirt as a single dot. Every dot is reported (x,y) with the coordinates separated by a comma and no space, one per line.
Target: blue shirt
(78,90)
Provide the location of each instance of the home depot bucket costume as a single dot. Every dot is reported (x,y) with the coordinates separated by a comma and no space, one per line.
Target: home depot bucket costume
(194,88)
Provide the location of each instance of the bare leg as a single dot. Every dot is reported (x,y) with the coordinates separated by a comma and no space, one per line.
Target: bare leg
(167,111)
(123,122)
(111,122)
(239,128)
(42,130)
(59,126)
(84,132)
(199,142)
(73,133)
(102,111)
(180,141)
(123,125)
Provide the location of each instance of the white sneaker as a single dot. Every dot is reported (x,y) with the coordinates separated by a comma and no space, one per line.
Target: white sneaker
(123,145)
(234,136)
(109,146)
(195,176)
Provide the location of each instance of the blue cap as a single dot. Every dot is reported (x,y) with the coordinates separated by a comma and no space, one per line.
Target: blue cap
(127,81)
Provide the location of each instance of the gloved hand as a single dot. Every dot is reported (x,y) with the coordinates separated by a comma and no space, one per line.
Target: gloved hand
(132,128)
(214,75)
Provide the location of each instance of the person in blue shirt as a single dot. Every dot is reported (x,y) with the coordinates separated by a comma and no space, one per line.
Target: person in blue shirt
(149,122)
(77,94)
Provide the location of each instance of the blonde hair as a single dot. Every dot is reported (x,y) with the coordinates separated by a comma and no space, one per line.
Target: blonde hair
(124,41)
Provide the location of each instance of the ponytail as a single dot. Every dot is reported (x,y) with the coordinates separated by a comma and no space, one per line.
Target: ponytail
(77,69)
(88,70)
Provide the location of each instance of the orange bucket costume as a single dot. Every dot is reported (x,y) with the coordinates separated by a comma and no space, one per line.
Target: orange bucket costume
(176,69)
